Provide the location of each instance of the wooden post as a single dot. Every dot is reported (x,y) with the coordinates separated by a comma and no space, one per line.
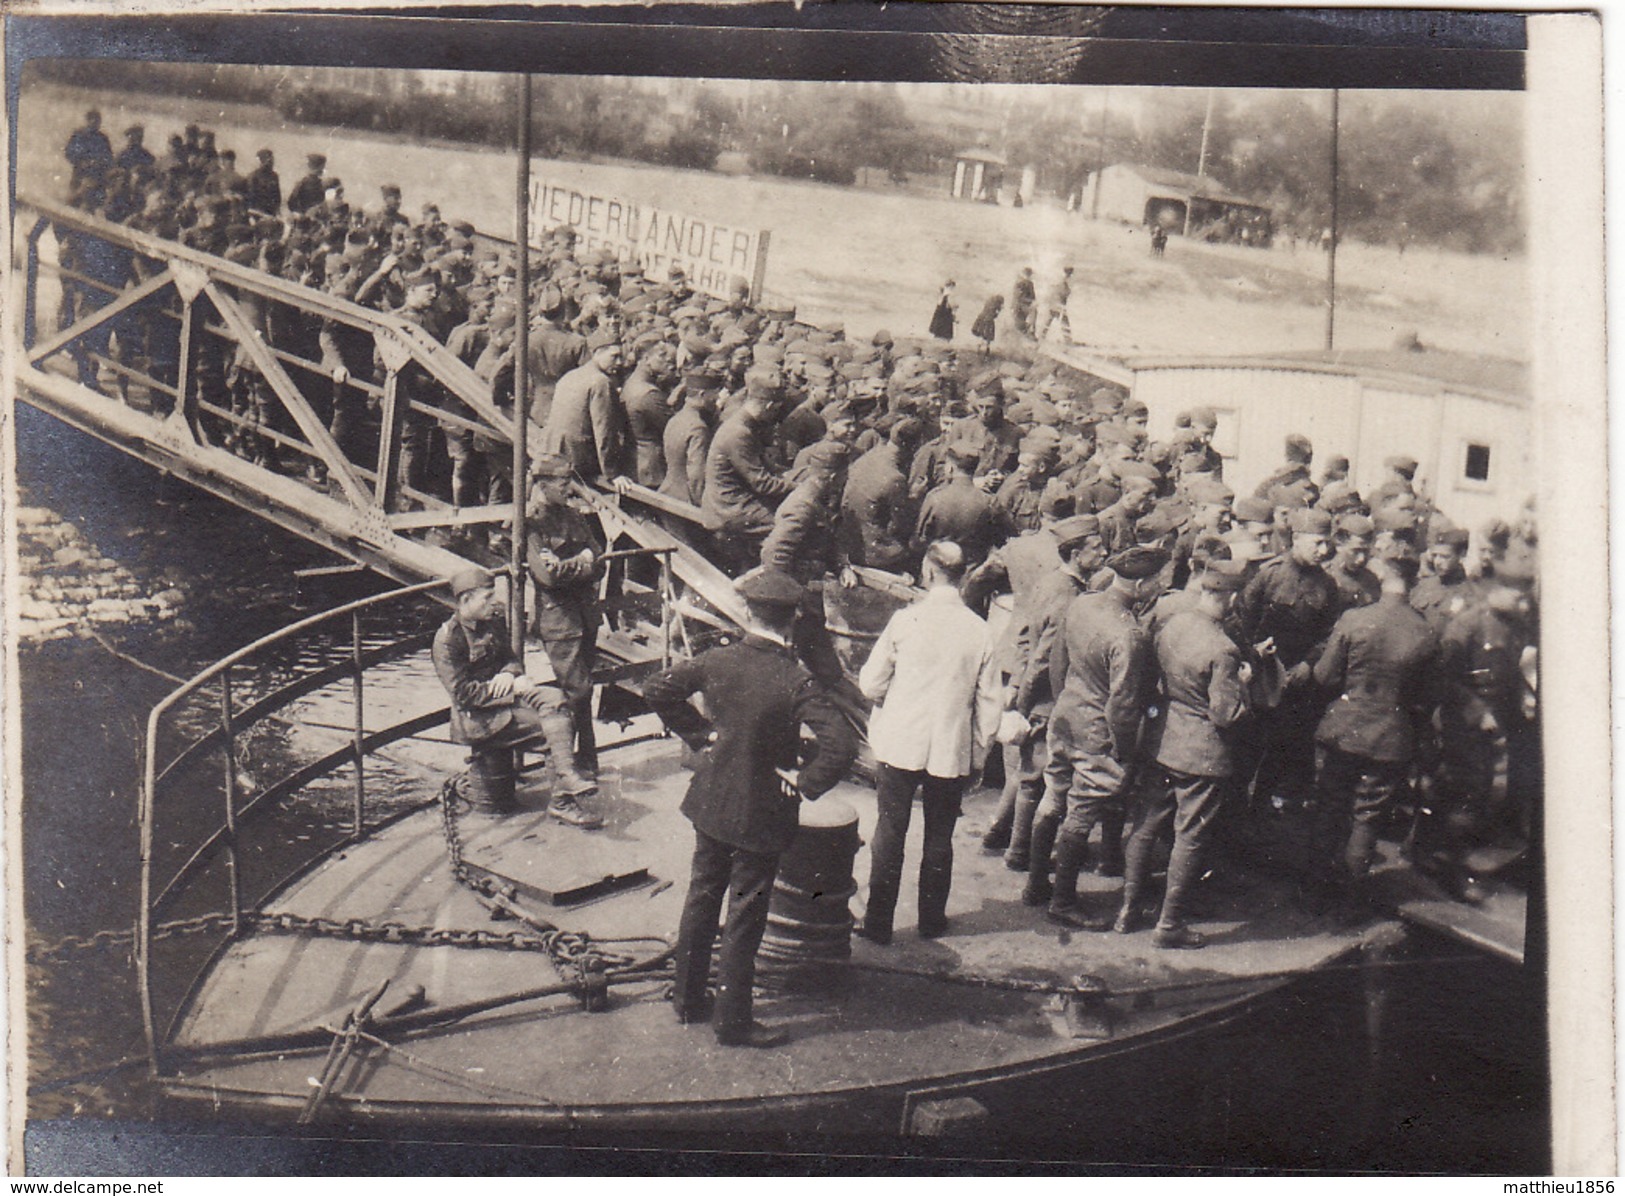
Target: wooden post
(764,238)
(385,483)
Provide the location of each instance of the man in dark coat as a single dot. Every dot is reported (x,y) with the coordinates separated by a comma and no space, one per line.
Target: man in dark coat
(1382,662)
(1446,592)
(1101,672)
(264,187)
(1291,601)
(309,191)
(1299,454)
(89,153)
(134,156)
(1204,681)
(876,499)
(806,543)
(495,706)
(960,511)
(646,397)
(1357,585)
(744,809)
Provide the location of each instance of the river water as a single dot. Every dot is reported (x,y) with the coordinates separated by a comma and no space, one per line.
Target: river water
(1458,1082)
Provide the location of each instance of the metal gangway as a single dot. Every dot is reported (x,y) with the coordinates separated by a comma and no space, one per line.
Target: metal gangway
(85,283)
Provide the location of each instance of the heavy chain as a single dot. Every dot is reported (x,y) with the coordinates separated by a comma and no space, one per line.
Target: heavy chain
(578,959)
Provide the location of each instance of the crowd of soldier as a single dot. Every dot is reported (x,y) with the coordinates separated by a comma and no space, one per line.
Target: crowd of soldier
(783,445)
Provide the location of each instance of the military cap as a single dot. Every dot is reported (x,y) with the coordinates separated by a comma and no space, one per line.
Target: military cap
(1041,440)
(1338,466)
(836,412)
(1138,562)
(503,315)
(1224,576)
(602,338)
(1075,530)
(422,276)
(264,155)
(1288,496)
(549,465)
(1354,524)
(1456,537)
(135,131)
(1299,449)
(1204,417)
(964,455)
(1158,522)
(770,587)
(316,161)
(1136,471)
(1138,485)
(688,312)
(763,382)
(473,578)
(1310,522)
(767,353)
(1497,533)
(825,456)
(1133,407)
(702,379)
(906,432)
(1114,434)
(1404,466)
(1057,501)
(1338,497)
(1210,490)
(1390,518)
(732,338)
(1252,509)
(390,189)
(1193,463)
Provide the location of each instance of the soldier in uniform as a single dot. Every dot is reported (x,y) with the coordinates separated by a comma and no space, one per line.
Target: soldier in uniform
(264,187)
(986,434)
(1356,584)
(1401,473)
(648,408)
(1031,695)
(494,704)
(1382,662)
(876,501)
(686,438)
(741,489)
(1292,603)
(586,425)
(308,192)
(1102,673)
(1205,694)
(958,510)
(1299,454)
(743,810)
(806,543)
(1446,592)
(89,153)
(421,287)
(562,555)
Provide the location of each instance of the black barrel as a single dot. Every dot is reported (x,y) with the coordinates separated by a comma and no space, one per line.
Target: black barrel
(489,782)
(809,922)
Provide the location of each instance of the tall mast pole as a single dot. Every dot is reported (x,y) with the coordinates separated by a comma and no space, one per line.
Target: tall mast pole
(1331,255)
(521,369)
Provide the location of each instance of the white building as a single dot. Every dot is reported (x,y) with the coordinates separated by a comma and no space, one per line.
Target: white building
(1466,420)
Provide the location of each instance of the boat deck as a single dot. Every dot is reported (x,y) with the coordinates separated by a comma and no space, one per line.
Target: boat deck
(909,1016)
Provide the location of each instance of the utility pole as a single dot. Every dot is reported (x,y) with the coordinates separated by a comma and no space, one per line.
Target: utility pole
(521,371)
(1331,254)
(1201,157)
(1100,156)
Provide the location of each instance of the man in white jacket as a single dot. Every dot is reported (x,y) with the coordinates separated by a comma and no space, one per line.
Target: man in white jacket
(935,683)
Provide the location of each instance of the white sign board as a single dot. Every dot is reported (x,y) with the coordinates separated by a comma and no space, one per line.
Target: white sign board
(715,256)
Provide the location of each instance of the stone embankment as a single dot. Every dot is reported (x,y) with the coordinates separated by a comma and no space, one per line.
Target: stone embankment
(68,589)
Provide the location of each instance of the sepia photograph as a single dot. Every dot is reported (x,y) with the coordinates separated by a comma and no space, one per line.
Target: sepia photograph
(897,583)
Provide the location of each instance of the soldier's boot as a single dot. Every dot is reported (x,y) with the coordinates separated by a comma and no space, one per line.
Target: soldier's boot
(1128,913)
(560,733)
(1070,852)
(1110,862)
(1038,888)
(586,739)
(1021,831)
(1171,931)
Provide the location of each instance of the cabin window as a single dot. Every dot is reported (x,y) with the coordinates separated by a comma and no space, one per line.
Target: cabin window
(1477,466)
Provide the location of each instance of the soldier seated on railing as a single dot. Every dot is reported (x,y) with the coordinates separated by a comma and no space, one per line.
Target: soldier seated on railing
(495,705)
